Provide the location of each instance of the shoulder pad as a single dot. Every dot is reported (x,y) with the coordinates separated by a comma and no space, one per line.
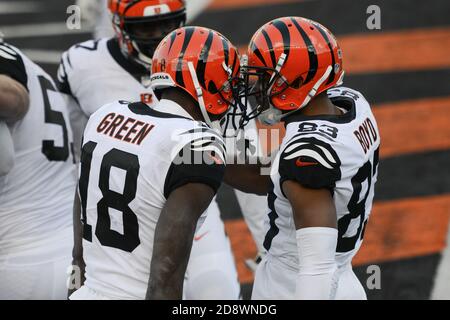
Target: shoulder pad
(311,162)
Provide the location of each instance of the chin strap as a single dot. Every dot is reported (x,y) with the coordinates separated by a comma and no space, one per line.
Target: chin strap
(215,125)
(273,115)
(312,93)
(280,65)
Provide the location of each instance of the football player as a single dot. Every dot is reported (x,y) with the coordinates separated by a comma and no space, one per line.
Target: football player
(96,14)
(97,72)
(321,184)
(36,192)
(149,173)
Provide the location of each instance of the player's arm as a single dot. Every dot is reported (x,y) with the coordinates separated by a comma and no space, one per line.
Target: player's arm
(7,150)
(247,178)
(14,99)
(189,188)
(77,252)
(173,239)
(309,169)
(315,222)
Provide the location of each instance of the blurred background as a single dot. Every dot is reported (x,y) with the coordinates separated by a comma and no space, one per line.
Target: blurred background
(403,69)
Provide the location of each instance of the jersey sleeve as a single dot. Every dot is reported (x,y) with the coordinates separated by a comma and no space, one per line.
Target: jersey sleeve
(64,70)
(12,65)
(311,162)
(200,160)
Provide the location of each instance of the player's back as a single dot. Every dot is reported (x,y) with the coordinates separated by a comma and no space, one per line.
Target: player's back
(36,197)
(127,172)
(335,152)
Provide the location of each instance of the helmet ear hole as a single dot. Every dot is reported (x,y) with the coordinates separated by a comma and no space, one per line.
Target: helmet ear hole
(297,83)
(212,88)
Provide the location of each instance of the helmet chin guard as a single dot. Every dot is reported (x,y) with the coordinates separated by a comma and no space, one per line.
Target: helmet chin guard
(215,125)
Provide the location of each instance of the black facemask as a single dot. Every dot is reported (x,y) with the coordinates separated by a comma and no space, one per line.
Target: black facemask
(147,33)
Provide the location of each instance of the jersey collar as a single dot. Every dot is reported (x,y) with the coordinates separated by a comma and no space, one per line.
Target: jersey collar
(169,106)
(135,70)
(343,102)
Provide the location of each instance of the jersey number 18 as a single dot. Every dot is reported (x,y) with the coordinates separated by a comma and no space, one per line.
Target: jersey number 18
(129,240)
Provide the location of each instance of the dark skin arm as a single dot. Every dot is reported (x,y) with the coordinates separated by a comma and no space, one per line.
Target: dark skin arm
(311,207)
(77,252)
(14,99)
(173,240)
(247,178)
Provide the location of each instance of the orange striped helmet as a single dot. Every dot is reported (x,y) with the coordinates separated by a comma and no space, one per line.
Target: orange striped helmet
(140,25)
(298,58)
(203,63)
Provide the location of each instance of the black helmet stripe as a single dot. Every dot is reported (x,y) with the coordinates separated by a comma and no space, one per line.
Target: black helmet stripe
(282,27)
(189,31)
(333,61)
(226,50)
(234,61)
(172,40)
(257,53)
(270,46)
(313,63)
(203,59)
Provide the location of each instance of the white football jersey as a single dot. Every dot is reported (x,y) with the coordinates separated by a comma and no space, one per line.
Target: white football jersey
(132,157)
(96,73)
(36,197)
(335,152)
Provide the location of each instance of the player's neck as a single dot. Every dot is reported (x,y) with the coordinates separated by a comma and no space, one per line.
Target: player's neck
(185,101)
(321,105)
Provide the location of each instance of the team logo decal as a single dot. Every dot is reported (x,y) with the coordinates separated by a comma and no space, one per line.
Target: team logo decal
(309,152)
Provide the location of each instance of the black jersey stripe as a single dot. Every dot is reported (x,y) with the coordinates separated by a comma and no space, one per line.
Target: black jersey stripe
(273,216)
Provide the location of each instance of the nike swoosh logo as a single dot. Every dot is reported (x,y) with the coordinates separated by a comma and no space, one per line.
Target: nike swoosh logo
(300,163)
(197,238)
